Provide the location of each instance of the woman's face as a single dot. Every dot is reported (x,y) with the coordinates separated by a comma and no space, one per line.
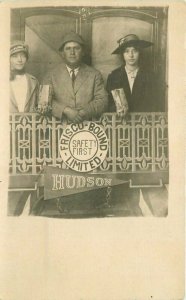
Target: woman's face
(131,56)
(18,61)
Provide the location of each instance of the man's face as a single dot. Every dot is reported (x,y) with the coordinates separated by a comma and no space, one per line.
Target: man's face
(18,61)
(72,54)
(131,56)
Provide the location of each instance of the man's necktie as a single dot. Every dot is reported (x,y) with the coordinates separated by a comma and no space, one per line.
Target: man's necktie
(73,77)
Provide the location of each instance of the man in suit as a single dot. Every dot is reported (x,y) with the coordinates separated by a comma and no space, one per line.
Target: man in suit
(23,86)
(139,85)
(77,89)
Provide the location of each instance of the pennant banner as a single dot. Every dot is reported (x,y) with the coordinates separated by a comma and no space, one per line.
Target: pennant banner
(59,182)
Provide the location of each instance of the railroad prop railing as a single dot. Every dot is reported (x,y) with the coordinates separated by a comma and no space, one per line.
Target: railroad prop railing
(137,144)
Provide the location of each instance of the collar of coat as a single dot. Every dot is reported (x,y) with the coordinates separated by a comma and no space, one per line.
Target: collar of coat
(62,76)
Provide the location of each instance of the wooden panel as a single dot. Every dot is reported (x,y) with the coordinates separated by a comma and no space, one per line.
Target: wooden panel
(42,57)
(43,34)
(15,25)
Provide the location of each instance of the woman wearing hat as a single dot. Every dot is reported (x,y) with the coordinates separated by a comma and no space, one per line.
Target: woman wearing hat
(23,86)
(23,98)
(139,85)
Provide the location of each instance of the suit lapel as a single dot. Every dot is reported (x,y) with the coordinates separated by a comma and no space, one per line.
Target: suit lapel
(65,80)
(13,99)
(81,77)
(30,89)
(139,80)
(125,83)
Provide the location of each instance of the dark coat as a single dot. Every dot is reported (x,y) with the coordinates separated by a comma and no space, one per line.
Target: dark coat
(144,96)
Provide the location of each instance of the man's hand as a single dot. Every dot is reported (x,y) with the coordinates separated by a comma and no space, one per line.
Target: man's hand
(73,115)
(82,113)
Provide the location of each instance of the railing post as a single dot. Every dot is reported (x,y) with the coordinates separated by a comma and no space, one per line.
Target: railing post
(153,142)
(13,145)
(114,141)
(133,142)
(33,144)
(54,142)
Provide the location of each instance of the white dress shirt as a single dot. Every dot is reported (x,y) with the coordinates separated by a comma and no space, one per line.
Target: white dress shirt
(19,86)
(131,76)
(70,71)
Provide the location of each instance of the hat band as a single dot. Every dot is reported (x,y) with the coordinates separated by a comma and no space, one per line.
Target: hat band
(18,48)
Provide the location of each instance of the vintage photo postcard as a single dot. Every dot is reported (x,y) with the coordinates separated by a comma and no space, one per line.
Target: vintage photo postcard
(92,159)
(95,143)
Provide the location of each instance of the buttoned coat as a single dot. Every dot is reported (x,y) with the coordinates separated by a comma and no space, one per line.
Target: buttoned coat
(88,92)
(145,93)
(31,97)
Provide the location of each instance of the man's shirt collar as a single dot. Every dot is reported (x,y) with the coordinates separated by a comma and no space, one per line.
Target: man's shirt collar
(76,70)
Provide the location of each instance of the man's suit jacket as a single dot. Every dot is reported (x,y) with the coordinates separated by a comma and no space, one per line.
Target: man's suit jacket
(145,94)
(88,92)
(31,98)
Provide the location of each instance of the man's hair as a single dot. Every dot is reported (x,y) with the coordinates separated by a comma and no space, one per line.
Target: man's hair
(62,48)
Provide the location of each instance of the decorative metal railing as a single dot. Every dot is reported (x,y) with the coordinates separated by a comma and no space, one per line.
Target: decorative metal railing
(138,144)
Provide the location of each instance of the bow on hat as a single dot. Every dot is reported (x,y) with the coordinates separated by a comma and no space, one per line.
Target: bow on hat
(131,40)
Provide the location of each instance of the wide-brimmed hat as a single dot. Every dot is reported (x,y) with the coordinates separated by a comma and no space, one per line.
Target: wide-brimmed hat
(131,40)
(18,46)
(71,37)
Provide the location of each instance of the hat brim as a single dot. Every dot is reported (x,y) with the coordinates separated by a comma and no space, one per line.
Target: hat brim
(62,46)
(138,44)
(18,50)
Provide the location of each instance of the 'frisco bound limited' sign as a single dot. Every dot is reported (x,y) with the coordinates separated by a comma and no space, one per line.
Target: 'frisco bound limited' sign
(83,147)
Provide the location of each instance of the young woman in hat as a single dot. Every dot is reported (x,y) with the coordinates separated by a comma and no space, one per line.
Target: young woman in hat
(139,85)
(23,98)
(23,86)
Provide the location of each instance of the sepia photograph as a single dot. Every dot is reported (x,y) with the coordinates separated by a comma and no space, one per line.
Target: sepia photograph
(92,156)
(88,112)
